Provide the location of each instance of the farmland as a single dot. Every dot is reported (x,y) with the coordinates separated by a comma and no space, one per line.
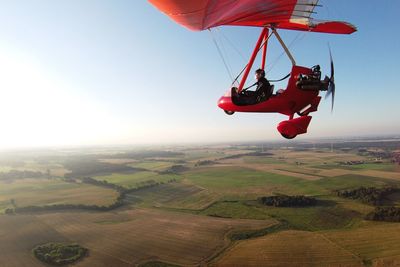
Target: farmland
(39,192)
(199,205)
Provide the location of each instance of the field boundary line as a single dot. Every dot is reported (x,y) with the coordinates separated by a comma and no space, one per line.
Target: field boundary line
(230,244)
(342,247)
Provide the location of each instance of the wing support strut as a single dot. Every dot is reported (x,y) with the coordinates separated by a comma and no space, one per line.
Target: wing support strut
(262,43)
(284,47)
(263,36)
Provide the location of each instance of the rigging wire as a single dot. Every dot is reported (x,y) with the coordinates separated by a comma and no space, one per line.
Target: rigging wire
(221,55)
(300,36)
(232,44)
(224,50)
(261,46)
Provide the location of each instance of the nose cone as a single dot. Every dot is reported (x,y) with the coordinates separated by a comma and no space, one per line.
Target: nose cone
(221,102)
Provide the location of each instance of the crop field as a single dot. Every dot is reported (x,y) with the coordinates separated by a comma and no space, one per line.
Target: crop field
(129,238)
(371,242)
(325,215)
(19,234)
(133,180)
(53,168)
(153,165)
(165,194)
(198,205)
(288,247)
(239,181)
(38,192)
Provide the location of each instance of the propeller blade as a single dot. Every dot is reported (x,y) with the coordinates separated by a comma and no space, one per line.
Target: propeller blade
(331,86)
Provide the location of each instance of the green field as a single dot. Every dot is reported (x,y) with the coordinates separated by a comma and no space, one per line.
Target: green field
(326,215)
(389,167)
(133,180)
(152,165)
(239,180)
(190,218)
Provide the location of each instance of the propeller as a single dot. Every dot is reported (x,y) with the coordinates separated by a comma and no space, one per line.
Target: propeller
(331,81)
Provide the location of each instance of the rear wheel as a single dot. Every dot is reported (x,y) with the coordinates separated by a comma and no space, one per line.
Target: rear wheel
(229,112)
(288,136)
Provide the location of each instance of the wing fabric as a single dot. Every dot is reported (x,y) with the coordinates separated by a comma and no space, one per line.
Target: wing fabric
(200,15)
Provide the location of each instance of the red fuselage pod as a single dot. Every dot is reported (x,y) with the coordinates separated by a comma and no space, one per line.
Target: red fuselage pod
(290,101)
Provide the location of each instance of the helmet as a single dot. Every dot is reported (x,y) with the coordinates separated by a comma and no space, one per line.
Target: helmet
(316,68)
(261,72)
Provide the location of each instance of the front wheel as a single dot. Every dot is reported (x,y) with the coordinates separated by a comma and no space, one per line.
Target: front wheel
(229,112)
(288,136)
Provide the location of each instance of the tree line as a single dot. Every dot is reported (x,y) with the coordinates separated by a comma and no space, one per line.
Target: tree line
(388,214)
(288,201)
(59,254)
(86,167)
(370,195)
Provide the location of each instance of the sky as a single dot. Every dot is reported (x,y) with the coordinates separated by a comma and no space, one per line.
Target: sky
(102,72)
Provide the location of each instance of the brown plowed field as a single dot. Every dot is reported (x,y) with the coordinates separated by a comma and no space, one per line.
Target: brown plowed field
(120,238)
(373,242)
(288,248)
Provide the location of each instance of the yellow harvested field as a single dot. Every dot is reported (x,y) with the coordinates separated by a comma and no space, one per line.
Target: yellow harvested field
(275,169)
(122,238)
(28,192)
(288,248)
(336,172)
(315,156)
(373,242)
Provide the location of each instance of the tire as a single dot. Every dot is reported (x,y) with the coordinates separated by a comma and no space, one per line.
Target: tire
(288,136)
(228,112)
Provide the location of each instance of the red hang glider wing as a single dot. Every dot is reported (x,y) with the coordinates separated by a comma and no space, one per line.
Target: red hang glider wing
(200,15)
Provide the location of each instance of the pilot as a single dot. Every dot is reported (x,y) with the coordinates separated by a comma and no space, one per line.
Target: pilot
(263,90)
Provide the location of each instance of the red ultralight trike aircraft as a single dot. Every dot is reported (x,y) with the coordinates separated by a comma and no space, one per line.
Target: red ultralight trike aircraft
(302,93)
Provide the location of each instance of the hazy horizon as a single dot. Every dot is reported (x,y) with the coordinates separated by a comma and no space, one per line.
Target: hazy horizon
(105,73)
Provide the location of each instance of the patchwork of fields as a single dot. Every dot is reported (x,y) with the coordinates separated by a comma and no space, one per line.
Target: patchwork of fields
(182,206)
